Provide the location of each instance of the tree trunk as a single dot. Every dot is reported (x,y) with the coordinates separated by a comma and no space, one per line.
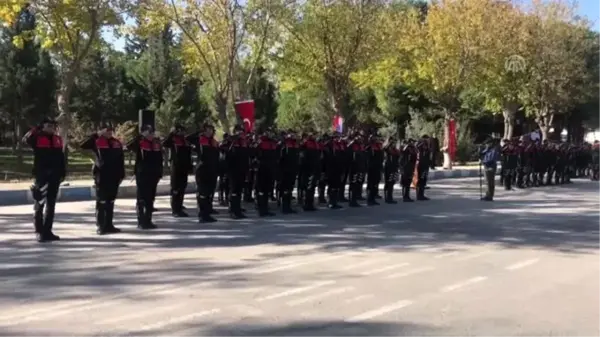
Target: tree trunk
(63,100)
(509,112)
(544,118)
(221,100)
(447,165)
(17,144)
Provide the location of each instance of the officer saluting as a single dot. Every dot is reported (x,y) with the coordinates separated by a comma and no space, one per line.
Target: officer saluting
(148,171)
(237,159)
(49,170)
(207,170)
(180,156)
(108,172)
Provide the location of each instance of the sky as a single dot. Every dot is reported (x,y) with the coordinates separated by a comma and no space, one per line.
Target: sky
(586,8)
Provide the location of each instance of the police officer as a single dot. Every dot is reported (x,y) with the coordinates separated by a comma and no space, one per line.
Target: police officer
(223,182)
(391,166)
(334,155)
(237,159)
(375,164)
(266,155)
(358,166)
(310,168)
(509,163)
(323,141)
(408,160)
(207,170)
(424,163)
(180,157)
(49,170)
(108,172)
(148,172)
(289,165)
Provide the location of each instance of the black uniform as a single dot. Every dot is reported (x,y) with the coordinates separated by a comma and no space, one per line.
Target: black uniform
(595,159)
(322,184)
(237,160)
(509,164)
(108,172)
(358,166)
(49,170)
(288,169)
(148,171)
(266,168)
(207,170)
(310,168)
(408,160)
(375,165)
(223,182)
(424,163)
(180,157)
(390,173)
(250,182)
(334,154)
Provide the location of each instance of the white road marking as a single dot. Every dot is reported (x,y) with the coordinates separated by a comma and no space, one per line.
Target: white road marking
(297,264)
(473,256)
(359,298)
(181,319)
(65,308)
(384,269)
(248,310)
(364,263)
(135,315)
(409,272)
(459,285)
(439,256)
(294,291)
(319,296)
(378,312)
(522,264)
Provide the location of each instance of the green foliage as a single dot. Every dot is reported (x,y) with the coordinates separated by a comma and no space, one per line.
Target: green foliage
(264,93)
(466,150)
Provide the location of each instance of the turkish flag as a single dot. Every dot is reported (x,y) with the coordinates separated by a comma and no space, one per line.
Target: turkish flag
(245,110)
(452,139)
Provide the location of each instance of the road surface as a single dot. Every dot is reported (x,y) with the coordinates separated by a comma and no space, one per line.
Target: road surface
(526,264)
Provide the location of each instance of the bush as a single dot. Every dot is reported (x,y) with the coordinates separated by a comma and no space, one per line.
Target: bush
(466,150)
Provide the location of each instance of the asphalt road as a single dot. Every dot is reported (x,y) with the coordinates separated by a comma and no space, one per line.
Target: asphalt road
(526,264)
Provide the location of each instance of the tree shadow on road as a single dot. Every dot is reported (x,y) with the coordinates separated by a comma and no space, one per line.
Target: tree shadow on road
(562,219)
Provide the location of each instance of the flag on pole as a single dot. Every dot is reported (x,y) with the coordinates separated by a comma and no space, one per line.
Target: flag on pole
(338,123)
(245,110)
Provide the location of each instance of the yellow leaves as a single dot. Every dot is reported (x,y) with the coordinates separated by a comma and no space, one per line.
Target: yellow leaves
(18,41)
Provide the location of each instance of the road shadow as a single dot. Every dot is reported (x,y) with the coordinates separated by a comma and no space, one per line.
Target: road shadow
(562,219)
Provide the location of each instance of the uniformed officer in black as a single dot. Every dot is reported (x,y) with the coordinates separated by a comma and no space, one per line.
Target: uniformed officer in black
(237,158)
(49,170)
(408,160)
(334,154)
(310,171)
(375,156)
(207,171)
(148,172)
(424,163)
(267,156)
(390,170)
(180,157)
(289,164)
(108,172)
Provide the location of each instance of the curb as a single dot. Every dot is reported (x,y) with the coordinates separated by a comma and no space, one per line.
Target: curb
(84,193)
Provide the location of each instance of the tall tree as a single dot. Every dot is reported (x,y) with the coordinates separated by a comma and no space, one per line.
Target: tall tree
(213,37)
(323,43)
(557,45)
(69,30)
(264,94)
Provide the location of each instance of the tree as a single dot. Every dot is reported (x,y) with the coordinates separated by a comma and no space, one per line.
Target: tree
(264,93)
(69,30)
(556,48)
(213,37)
(322,43)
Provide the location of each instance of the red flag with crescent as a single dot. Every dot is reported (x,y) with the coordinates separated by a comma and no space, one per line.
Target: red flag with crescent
(245,110)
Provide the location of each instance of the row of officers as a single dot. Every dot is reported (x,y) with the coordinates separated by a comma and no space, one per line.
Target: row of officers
(242,167)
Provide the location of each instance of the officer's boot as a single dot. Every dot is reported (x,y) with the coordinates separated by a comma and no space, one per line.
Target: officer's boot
(359,192)
(101,217)
(149,212)
(38,222)
(261,198)
(235,206)
(371,195)
(49,222)
(406,194)
(309,201)
(204,207)
(421,194)
(333,199)
(286,203)
(389,194)
(353,191)
(140,208)
(278,196)
(211,202)
(109,214)
(322,199)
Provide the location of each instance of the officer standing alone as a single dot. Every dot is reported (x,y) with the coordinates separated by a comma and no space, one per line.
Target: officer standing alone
(489,158)
(148,171)
(108,172)
(49,170)
(180,156)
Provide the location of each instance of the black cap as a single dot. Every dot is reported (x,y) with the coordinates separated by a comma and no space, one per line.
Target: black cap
(106,125)
(207,126)
(48,120)
(178,127)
